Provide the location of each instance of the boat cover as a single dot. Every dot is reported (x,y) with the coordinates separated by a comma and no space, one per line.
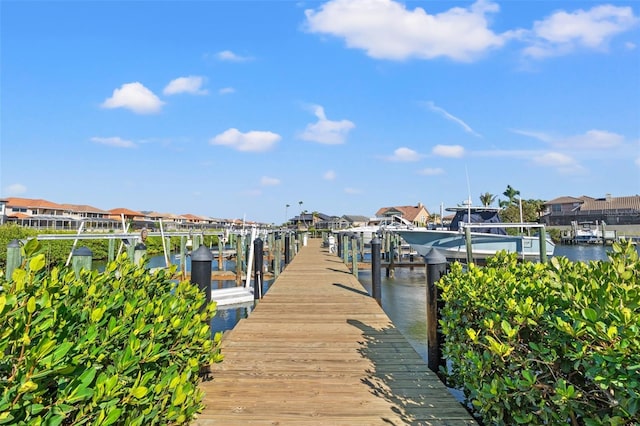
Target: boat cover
(483,216)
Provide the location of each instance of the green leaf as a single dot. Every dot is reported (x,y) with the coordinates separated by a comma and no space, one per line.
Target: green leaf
(139,392)
(80,393)
(590,314)
(37,263)
(113,415)
(3,302)
(31,305)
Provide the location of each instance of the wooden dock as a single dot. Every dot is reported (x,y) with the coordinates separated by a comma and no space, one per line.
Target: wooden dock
(317,349)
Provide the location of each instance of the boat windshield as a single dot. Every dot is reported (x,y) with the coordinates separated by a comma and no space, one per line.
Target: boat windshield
(481,216)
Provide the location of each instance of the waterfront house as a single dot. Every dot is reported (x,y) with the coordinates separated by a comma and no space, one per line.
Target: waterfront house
(562,211)
(418,215)
(44,214)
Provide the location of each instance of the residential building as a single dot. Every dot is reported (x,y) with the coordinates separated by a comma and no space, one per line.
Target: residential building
(562,211)
(418,215)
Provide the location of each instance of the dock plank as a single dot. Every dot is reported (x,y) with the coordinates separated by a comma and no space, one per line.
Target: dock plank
(317,350)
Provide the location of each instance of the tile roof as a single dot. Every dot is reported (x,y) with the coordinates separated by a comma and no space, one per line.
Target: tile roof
(33,203)
(408,212)
(612,203)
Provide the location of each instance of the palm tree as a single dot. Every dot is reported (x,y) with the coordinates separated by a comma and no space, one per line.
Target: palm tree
(487,199)
(511,194)
(300,204)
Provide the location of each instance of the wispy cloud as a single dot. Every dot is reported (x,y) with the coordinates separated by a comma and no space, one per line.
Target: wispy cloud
(541,136)
(329,175)
(433,107)
(226,90)
(563,163)
(431,171)
(269,181)
(564,32)
(253,141)
(15,189)
(387,29)
(352,191)
(229,56)
(135,97)
(326,131)
(453,151)
(404,154)
(192,85)
(592,139)
(114,141)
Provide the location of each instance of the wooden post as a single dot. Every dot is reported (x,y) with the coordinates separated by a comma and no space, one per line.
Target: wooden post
(287,248)
(391,268)
(543,245)
(277,255)
(375,270)
(14,258)
(239,261)
(436,266)
(467,240)
(354,255)
(220,254)
(183,256)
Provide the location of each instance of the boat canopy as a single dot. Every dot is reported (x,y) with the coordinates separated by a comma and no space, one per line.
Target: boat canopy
(478,216)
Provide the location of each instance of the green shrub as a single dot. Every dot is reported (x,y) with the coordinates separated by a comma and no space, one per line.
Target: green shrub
(555,343)
(120,347)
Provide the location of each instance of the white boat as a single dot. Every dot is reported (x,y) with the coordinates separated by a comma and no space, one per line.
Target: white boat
(487,233)
(586,233)
(377,224)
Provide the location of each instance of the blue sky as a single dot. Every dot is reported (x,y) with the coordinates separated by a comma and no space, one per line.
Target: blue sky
(237,109)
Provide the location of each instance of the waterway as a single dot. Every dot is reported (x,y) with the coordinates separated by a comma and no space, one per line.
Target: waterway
(403,296)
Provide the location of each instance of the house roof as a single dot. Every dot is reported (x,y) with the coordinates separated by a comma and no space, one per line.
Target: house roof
(126,212)
(564,200)
(407,212)
(33,203)
(355,218)
(612,203)
(83,208)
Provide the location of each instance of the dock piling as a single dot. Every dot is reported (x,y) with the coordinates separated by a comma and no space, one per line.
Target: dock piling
(376,278)
(436,266)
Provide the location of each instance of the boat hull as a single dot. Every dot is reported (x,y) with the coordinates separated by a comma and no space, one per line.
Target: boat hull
(452,244)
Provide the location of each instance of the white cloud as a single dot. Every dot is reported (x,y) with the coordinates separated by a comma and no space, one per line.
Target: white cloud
(563,32)
(229,56)
(192,84)
(253,141)
(431,171)
(453,118)
(329,175)
(136,97)
(15,189)
(269,181)
(454,151)
(387,29)
(561,162)
(630,45)
(352,191)
(226,90)
(113,141)
(326,131)
(404,155)
(637,161)
(592,139)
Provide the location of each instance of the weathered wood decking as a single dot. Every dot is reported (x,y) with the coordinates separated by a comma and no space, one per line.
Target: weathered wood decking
(319,350)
